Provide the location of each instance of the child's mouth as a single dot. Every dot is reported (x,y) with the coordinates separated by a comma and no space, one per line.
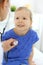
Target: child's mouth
(20,25)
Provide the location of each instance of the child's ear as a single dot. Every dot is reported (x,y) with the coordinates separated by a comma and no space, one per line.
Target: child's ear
(31,24)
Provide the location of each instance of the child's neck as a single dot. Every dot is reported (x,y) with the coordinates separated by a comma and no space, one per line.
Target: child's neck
(20,32)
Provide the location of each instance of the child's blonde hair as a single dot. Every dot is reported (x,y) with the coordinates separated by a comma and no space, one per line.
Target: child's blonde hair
(20,8)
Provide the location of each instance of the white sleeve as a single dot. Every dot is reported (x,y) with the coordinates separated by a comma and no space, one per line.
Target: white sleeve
(1,49)
(1,53)
(1,45)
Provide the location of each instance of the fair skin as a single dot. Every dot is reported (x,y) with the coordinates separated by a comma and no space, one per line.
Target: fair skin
(4,10)
(31,57)
(3,14)
(22,22)
(7,44)
(22,25)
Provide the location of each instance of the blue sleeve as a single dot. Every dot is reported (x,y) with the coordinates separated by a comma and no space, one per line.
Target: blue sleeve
(35,38)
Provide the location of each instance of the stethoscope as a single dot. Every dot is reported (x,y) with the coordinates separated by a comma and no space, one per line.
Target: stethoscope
(1,33)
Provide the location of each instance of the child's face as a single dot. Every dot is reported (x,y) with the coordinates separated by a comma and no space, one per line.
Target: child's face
(22,20)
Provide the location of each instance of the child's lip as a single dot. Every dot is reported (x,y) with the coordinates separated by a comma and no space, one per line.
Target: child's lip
(20,25)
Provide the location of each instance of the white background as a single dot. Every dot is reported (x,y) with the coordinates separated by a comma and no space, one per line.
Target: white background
(36,7)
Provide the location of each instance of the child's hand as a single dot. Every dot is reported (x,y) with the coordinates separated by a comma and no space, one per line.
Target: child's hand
(9,44)
(32,63)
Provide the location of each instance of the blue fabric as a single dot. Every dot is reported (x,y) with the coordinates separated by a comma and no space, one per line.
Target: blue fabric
(20,53)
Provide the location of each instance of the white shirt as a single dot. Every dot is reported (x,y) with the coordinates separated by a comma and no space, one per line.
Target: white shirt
(9,21)
(2,26)
(10,25)
(3,23)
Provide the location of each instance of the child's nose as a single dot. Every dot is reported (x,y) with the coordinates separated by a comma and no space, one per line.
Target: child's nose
(20,20)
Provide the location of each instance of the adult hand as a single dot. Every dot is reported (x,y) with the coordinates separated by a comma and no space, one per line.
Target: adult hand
(9,44)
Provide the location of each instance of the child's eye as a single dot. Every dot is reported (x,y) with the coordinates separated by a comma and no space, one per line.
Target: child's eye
(24,18)
(17,18)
